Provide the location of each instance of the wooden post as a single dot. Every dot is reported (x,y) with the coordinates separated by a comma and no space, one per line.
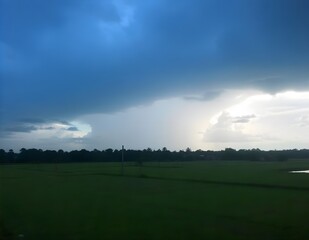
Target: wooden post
(122,160)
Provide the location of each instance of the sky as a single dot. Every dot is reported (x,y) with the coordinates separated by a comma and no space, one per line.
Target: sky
(204,74)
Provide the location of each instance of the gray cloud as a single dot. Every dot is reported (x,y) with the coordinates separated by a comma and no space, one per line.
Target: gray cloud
(28,125)
(205,97)
(62,59)
(47,128)
(26,128)
(243,119)
(21,128)
(303,121)
(73,129)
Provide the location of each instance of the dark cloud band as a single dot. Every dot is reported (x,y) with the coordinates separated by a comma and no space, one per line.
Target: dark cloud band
(68,58)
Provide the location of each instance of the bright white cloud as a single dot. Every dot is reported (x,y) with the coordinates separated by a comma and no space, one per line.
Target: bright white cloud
(228,129)
(262,120)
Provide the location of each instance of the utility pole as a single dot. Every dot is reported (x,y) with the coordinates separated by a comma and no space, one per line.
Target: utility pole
(122,160)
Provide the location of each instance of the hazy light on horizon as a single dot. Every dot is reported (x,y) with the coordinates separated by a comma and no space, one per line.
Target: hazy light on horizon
(253,120)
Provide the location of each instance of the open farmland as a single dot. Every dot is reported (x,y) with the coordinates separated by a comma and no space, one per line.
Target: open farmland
(174,200)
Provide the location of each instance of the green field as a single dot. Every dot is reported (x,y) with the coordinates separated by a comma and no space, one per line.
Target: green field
(197,200)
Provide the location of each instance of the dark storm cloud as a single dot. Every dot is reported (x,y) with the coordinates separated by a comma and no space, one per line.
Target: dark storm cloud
(32,120)
(22,21)
(26,128)
(62,59)
(40,121)
(21,128)
(27,125)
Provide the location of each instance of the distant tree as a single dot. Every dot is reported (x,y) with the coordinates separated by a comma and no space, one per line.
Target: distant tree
(109,150)
(2,156)
(11,156)
(230,154)
(139,157)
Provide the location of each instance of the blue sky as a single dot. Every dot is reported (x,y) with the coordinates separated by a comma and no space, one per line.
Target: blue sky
(202,74)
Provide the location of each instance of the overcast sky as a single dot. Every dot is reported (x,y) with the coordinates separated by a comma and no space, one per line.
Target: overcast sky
(205,74)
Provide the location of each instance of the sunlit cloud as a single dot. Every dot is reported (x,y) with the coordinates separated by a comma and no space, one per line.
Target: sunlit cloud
(228,129)
(267,120)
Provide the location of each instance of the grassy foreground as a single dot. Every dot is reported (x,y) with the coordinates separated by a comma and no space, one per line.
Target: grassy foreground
(198,200)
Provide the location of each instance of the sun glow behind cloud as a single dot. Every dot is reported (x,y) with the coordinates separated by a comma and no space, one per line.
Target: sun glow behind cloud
(262,120)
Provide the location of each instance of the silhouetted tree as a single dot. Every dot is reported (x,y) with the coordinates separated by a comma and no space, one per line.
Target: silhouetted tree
(147,155)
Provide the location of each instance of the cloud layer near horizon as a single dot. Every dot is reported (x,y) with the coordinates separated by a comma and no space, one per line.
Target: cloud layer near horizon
(64,59)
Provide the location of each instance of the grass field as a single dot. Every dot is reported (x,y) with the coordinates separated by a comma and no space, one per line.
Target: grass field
(197,200)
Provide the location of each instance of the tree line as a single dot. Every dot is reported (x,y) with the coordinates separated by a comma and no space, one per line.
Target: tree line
(147,155)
